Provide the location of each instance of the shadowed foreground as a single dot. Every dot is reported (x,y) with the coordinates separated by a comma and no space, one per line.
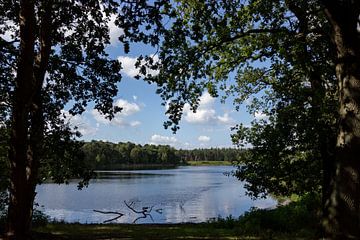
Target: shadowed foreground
(153,231)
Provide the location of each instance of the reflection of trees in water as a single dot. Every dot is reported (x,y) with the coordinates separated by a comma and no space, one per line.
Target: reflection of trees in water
(144,212)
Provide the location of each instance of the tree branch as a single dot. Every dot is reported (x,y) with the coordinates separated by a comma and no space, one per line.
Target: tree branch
(145,211)
(110,212)
(243,34)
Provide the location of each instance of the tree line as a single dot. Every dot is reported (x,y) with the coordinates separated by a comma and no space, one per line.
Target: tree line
(209,154)
(102,155)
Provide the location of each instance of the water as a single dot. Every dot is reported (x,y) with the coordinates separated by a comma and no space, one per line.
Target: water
(184,194)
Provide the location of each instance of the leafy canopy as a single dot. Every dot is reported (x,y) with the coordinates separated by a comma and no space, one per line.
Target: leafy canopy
(278,56)
(72,66)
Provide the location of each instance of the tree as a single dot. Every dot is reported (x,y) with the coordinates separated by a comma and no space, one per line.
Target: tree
(53,55)
(3,175)
(47,45)
(343,220)
(302,57)
(256,43)
(136,154)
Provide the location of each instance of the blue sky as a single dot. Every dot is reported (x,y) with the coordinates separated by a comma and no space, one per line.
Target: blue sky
(141,120)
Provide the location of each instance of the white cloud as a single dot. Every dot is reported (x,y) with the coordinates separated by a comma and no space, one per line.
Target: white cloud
(204,138)
(207,100)
(200,116)
(99,117)
(260,116)
(81,123)
(135,123)
(127,107)
(115,31)
(206,113)
(159,139)
(119,119)
(225,119)
(128,65)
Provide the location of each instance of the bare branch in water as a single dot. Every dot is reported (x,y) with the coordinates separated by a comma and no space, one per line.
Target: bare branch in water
(110,212)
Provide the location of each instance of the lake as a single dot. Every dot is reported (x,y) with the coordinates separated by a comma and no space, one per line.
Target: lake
(184,194)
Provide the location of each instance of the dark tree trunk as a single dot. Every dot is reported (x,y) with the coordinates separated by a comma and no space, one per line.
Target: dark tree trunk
(21,191)
(325,141)
(26,140)
(343,218)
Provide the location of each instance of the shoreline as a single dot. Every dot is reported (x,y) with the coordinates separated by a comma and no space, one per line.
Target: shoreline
(124,167)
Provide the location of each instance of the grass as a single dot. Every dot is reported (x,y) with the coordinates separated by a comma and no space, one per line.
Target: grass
(209,163)
(131,231)
(153,231)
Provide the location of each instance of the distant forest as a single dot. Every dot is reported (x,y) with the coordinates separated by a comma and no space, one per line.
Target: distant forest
(106,155)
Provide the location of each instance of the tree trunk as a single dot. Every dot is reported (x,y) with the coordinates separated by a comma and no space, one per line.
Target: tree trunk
(343,206)
(22,186)
(28,123)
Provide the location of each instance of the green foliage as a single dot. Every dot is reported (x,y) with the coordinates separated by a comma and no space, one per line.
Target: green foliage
(70,41)
(277,56)
(39,218)
(210,155)
(303,215)
(3,210)
(106,155)
(53,63)
(228,223)
(300,217)
(63,161)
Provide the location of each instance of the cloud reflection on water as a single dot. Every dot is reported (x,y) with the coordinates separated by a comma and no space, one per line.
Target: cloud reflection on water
(187,194)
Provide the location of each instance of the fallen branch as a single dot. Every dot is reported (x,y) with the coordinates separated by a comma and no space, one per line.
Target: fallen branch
(146,211)
(110,212)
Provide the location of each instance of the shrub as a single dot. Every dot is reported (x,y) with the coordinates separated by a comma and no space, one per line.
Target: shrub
(302,215)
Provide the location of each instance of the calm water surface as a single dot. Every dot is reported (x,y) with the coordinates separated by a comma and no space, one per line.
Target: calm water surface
(184,194)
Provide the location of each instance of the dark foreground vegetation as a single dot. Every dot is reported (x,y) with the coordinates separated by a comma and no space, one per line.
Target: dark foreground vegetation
(296,220)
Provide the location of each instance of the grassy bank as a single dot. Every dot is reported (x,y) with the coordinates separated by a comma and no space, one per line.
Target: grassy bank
(209,163)
(155,231)
(131,231)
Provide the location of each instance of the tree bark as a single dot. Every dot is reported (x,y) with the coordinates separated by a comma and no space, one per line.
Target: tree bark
(21,194)
(343,205)
(27,119)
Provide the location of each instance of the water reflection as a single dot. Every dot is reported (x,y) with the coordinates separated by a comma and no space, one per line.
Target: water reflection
(186,194)
(101,175)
